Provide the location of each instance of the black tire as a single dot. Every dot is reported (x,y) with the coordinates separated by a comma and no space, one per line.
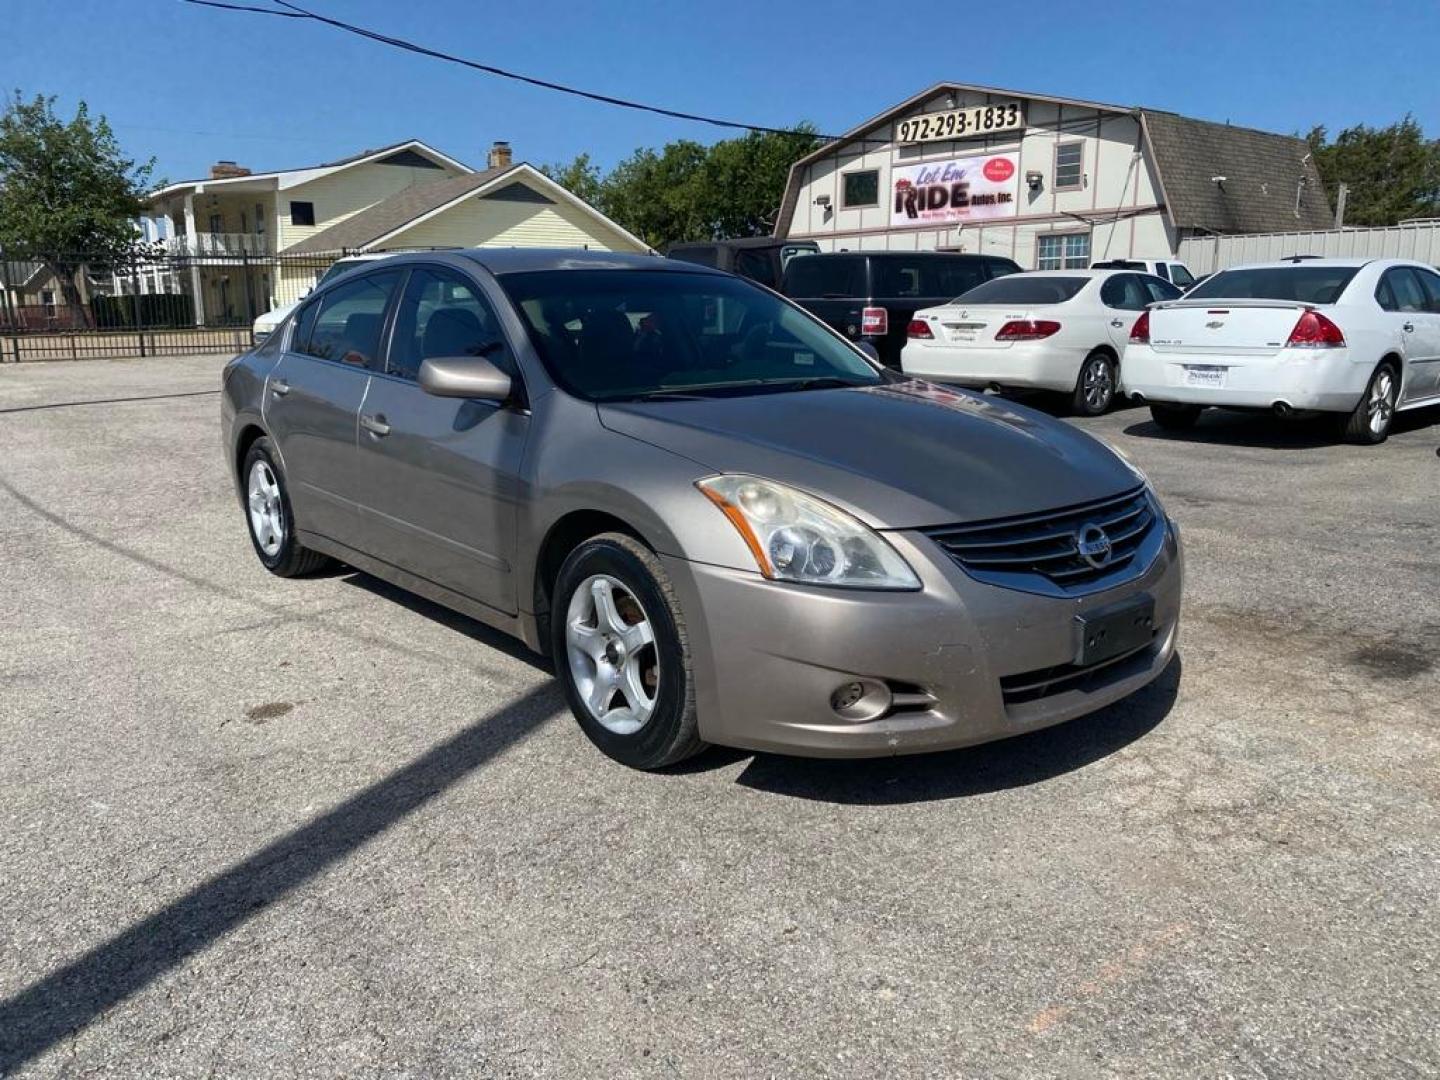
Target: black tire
(1174,417)
(1358,427)
(289,558)
(1084,402)
(671,733)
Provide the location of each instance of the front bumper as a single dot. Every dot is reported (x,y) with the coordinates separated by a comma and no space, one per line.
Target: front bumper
(767,656)
(1327,380)
(1023,363)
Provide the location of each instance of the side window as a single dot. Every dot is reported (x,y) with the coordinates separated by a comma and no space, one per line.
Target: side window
(351,316)
(441,314)
(1405,285)
(1162,270)
(1385,295)
(958,276)
(1001,267)
(1160,290)
(1124,291)
(755,265)
(304,325)
(1181,276)
(1430,282)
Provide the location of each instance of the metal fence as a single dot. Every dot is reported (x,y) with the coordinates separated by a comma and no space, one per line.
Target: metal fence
(157,301)
(1419,240)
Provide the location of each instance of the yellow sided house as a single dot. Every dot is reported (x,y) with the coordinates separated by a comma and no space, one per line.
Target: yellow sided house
(248,242)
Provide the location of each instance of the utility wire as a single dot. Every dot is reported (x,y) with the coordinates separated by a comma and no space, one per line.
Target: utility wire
(295,12)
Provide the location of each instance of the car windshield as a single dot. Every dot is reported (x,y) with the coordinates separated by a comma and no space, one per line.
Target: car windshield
(608,335)
(1024,289)
(1306,284)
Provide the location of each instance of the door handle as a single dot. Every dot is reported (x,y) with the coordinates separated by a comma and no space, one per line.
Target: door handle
(376,425)
(279,387)
(1409,328)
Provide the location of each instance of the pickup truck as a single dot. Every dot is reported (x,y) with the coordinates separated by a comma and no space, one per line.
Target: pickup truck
(871,296)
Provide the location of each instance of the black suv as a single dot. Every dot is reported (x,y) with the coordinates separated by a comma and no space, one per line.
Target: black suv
(872,295)
(759,258)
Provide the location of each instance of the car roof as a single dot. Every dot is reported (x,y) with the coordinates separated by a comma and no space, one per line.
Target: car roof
(1075,273)
(901,255)
(1353,263)
(524,260)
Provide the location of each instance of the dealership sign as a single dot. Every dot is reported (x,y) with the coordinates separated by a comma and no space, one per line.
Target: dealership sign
(965,189)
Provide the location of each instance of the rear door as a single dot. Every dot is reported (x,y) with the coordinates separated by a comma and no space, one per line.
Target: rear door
(442,474)
(313,397)
(1124,296)
(1424,380)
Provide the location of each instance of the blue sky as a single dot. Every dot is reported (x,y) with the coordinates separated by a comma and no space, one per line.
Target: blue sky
(191,85)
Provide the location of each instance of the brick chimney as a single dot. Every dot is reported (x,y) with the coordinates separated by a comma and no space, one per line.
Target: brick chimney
(224,170)
(499,156)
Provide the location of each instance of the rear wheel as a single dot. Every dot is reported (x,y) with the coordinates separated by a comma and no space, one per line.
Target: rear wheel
(1095,386)
(268,514)
(1174,417)
(622,654)
(1370,422)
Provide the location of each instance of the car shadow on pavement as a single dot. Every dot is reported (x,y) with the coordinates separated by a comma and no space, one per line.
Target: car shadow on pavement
(978,770)
(76,994)
(450,619)
(1265,431)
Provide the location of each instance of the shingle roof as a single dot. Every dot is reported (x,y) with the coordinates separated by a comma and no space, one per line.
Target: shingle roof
(396,211)
(1262,174)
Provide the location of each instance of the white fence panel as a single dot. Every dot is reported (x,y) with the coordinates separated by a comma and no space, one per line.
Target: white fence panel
(1421,242)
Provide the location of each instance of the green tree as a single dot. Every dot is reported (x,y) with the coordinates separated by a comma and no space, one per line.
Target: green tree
(1393,172)
(688,191)
(68,194)
(579,177)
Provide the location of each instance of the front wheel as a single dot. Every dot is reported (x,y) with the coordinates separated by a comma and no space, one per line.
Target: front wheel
(1095,387)
(618,639)
(1370,422)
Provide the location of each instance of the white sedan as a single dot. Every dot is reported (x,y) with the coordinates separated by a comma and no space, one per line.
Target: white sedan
(1050,329)
(1356,337)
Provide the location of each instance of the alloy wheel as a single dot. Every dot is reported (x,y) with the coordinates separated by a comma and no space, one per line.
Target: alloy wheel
(612,654)
(1099,384)
(267,512)
(1381,407)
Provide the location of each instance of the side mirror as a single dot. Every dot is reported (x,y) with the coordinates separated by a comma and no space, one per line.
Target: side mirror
(464,377)
(869,350)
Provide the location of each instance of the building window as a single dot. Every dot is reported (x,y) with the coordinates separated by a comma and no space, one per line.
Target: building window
(1069,166)
(861,189)
(1062,251)
(302,213)
(259,219)
(217,224)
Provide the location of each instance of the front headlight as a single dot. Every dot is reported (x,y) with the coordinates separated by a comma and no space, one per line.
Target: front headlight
(797,537)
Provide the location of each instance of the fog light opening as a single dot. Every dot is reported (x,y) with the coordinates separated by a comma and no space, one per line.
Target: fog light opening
(859,700)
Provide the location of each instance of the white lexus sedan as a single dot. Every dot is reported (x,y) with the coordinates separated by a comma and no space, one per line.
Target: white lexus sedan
(1356,337)
(1059,330)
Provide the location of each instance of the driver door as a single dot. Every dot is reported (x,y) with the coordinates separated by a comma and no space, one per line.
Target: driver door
(442,475)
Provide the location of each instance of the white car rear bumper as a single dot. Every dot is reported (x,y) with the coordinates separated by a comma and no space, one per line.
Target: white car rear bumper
(1328,380)
(1033,363)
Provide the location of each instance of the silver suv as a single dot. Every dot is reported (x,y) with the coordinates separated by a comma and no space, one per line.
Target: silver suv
(723,522)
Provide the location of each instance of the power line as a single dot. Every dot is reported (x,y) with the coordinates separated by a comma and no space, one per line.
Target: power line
(295,12)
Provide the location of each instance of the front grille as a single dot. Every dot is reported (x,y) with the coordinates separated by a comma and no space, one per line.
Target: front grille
(1033,685)
(1041,552)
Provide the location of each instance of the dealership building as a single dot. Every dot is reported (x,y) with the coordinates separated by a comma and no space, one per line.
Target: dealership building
(1052,183)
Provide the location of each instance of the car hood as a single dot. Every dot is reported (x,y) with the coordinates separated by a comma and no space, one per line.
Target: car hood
(902,455)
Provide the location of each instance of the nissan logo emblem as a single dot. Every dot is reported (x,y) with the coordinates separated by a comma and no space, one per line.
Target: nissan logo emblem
(1093,545)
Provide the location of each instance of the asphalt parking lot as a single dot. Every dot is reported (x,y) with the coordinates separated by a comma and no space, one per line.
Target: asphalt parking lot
(269,828)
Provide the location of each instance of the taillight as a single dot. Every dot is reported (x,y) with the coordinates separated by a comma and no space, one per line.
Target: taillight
(918,328)
(1140,332)
(874,321)
(1027,330)
(1315,331)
